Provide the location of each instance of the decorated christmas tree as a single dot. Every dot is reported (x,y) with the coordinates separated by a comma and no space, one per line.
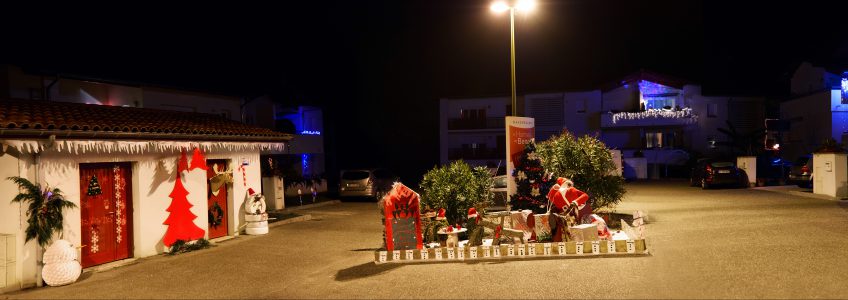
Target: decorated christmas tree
(94,187)
(531,182)
(181,221)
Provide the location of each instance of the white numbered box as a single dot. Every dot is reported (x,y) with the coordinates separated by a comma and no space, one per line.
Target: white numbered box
(521,250)
(396,255)
(460,253)
(438,253)
(561,248)
(496,251)
(610,246)
(596,247)
(510,250)
(531,250)
(472,252)
(383,256)
(410,255)
(546,250)
(631,246)
(425,254)
(579,248)
(451,253)
(486,251)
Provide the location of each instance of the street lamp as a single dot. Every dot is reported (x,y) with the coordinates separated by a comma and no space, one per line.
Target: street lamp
(522,6)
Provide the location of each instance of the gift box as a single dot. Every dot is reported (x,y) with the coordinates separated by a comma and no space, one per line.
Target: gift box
(583,232)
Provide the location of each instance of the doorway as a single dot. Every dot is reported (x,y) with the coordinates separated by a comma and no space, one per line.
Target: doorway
(106,212)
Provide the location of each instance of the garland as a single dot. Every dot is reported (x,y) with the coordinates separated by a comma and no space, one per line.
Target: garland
(216,215)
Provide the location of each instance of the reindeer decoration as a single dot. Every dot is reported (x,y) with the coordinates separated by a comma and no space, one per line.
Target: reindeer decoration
(220,178)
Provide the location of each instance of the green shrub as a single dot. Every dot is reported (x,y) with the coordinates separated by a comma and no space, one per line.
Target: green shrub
(588,163)
(180,246)
(456,188)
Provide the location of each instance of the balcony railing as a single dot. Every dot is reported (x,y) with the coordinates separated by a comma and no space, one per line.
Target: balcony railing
(651,117)
(479,153)
(477,123)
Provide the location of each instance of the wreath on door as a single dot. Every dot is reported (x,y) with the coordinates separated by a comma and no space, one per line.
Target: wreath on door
(216,215)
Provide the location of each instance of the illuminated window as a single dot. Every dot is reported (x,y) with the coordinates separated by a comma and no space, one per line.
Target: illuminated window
(653,140)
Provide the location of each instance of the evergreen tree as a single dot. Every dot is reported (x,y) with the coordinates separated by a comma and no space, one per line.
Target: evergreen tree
(532,184)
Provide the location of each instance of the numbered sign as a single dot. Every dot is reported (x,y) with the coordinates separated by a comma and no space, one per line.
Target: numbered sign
(579,248)
(425,255)
(460,253)
(631,246)
(610,246)
(438,253)
(396,255)
(383,256)
(547,249)
(496,251)
(510,250)
(531,250)
(521,250)
(451,253)
(410,254)
(472,252)
(486,253)
(561,248)
(596,247)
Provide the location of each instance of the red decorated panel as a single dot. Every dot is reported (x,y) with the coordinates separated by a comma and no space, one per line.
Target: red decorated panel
(106,208)
(403,219)
(217,203)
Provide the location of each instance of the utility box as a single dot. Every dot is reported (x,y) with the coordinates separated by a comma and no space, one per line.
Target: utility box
(616,158)
(749,165)
(830,174)
(8,265)
(636,168)
(272,188)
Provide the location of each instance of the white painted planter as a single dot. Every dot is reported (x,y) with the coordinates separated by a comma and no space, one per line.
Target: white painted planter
(749,164)
(830,173)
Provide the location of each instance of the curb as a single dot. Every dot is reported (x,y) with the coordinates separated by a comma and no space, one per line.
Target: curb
(308,206)
(799,194)
(292,220)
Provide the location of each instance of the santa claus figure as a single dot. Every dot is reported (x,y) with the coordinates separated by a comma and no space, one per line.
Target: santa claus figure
(570,202)
(563,194)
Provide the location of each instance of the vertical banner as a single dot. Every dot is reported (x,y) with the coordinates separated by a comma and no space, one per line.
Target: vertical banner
(519,131)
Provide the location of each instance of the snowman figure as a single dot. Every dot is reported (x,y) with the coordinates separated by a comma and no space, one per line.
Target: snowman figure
(60,264)
(255,215)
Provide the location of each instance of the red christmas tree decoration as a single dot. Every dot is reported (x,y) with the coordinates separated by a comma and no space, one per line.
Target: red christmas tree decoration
(183,164)
(181,221)
(198,161)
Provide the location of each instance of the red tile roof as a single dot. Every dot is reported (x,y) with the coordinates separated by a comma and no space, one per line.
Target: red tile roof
(39,118)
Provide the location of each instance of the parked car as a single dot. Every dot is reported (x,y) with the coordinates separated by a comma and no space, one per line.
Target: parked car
(709,172)
(499,190)
(366,183)
(801,173)
(772,170)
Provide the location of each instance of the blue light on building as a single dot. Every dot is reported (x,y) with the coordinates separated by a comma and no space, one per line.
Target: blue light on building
(305,162)
(845,87)
(311,132)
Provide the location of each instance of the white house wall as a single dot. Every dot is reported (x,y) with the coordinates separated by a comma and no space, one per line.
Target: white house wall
(13,216)
(807,116)
(152,182)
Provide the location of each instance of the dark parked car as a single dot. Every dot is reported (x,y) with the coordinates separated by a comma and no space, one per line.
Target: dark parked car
(801,173)
(709,172)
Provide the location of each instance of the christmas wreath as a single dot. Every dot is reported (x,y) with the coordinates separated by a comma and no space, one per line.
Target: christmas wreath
(216,215)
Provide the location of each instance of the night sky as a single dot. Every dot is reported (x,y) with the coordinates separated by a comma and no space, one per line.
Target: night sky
(378,68)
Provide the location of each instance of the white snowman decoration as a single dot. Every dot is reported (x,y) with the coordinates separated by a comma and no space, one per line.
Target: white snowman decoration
(255,215)
(61,266)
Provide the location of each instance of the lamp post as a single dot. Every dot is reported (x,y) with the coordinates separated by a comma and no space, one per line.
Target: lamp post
(522,6)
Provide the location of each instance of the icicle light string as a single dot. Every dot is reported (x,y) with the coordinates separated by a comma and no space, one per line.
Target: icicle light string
(685,113)
(78,147)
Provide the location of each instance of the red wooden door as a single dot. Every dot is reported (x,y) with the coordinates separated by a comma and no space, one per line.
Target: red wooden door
(217,203)
(106,214)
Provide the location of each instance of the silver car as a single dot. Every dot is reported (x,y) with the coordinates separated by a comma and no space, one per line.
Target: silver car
(365,183)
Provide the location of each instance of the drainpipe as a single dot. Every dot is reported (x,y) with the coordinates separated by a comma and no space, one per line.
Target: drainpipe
(47,90)
(39,251)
